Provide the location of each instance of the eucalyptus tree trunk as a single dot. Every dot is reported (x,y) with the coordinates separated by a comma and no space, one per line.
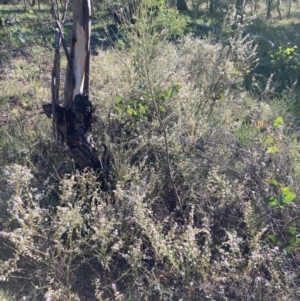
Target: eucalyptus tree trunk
(72,121)
(172,3)
(32,4)
(181,5)
(278,9)
(254,6)
(288,15)
(269,8)
(77,92)
(211,5)
(196,8)
(77,76)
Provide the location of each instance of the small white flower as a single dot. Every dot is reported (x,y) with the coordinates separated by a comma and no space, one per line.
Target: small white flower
(258,280)
(116,247)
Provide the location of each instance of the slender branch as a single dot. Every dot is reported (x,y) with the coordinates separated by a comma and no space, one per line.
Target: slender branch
(290,222)
(167,152)
(64,12)
(64,43)
(55,79)
(53,11)
(55,90)
(165,134)
(57,10)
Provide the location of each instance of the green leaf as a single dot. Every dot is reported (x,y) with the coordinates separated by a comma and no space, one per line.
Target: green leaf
(149,96)
(275,239)
(287,191)
(288,248)
(273,150)
(166,95)
(287,195)
(162,109)
(278,122)
(119,99)
(292,242)
(288,199)
(142,109)
(271,201)
(292,231)
(273,183)
(131,111)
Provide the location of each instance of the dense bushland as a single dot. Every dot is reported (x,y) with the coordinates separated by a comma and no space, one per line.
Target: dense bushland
(205,165)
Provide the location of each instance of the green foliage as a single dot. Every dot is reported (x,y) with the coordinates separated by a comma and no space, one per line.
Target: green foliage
(171,21)
(278,54)
(285,58)
(272,136)
(154,14)
(168,94)
(284,195)
(135,108)
(142,108)
(278,122)
(286,63)
(289,237)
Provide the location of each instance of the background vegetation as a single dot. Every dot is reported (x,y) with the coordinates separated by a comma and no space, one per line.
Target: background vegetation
(198,104)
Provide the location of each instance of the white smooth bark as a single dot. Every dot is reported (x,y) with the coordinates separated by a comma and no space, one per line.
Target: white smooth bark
(79,60)
(77,76)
